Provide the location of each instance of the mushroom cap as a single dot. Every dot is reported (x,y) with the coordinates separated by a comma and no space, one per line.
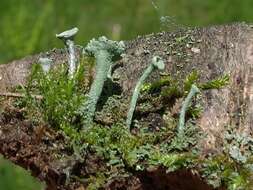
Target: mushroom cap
(102,43)
(69,34)
(158,62)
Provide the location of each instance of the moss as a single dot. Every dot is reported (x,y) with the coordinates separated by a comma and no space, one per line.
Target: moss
(61,96)
(172,92)
(97,181)
(190,79)
(173,161)
(157,85)
(112,111)
(168,89)
(220,170)
(217,83)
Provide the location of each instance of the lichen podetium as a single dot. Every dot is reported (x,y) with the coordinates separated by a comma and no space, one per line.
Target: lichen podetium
(103,50)
(194,90)
(156,63)
(68,39)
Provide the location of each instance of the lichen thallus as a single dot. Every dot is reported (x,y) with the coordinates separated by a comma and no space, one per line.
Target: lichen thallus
(68,38)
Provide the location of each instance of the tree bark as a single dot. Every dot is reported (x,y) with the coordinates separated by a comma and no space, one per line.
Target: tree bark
(212,51)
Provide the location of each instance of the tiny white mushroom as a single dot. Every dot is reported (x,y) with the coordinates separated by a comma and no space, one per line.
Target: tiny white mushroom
(68,38)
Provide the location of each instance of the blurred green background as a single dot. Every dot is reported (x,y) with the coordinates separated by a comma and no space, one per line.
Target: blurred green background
(29,26)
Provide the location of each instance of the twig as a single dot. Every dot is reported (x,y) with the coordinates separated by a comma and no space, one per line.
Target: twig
(19,95)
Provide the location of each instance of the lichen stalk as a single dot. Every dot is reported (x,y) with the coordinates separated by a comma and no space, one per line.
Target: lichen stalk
(181,125)
(72,57)
(103,50)
(68,38)
(102,67)
(156,63)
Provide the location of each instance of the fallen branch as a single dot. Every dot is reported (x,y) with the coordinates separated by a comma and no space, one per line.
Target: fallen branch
(221,50)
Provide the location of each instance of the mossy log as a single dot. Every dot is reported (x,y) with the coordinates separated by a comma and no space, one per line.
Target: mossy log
(212,51)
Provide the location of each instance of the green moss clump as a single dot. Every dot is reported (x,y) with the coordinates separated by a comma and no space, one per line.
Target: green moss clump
(171,92)
(61,96)
(190,79)
(157,85)
(218,83)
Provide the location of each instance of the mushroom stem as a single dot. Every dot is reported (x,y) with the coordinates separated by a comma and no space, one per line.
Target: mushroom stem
(181,125)
(156,63)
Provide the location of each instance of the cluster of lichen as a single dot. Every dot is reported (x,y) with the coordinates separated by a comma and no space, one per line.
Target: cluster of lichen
(234,166)
(173,147)
(121,149)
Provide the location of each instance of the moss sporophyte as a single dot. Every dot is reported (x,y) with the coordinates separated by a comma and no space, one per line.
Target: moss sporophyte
(156,63)
(104,51)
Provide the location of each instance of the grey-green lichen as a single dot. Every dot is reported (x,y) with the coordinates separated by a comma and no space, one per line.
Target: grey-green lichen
(103,50)
(156,63)
(68,39)
(46,63)
(194,90)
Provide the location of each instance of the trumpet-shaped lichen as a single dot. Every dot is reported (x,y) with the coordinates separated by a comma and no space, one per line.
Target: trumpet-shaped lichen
(103,50)
(68,39)
(156,63)
(194,90)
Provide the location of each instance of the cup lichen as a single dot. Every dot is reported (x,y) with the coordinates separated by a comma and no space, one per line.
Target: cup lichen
(194,90)
(156,63)
(68,38)
(104,51)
